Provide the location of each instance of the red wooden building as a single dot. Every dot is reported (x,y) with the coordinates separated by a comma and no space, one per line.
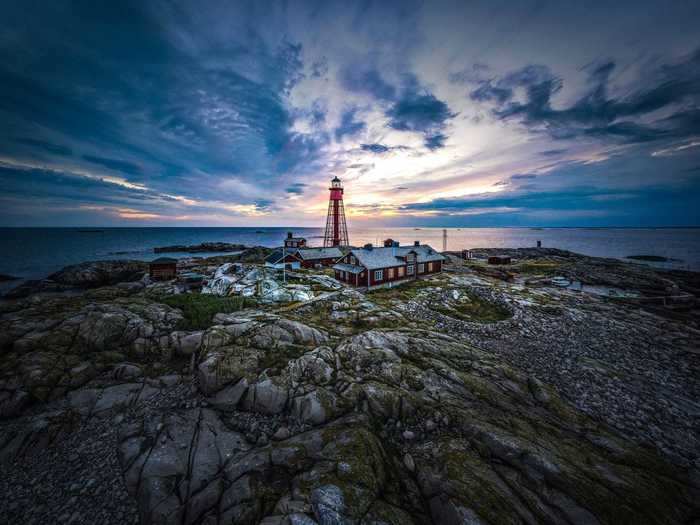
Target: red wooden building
(163,269)
(371,267)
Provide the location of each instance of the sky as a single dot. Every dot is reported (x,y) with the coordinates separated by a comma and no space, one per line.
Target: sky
(445,114)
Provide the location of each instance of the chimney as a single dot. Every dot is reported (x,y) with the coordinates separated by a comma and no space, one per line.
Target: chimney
(289,235)
(416,243)
(368,246)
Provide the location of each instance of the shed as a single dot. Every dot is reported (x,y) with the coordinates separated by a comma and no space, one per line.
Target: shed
(163,269)
(281,258)
(313,257)
(499,260)
(294,242)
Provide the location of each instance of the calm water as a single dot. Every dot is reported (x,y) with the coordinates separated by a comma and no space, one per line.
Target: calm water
(37,252)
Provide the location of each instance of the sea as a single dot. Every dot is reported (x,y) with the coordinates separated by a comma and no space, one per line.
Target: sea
(34,253)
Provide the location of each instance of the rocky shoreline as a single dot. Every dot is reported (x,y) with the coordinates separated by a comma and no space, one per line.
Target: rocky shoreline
(481,395)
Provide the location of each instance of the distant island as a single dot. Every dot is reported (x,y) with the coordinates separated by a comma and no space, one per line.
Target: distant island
(202,247)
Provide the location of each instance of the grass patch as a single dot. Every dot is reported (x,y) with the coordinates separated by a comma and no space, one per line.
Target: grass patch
(544,267)
(477,309)
(199,310)
(403,292)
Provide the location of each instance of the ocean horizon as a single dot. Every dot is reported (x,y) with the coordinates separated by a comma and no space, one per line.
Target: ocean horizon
(36,252)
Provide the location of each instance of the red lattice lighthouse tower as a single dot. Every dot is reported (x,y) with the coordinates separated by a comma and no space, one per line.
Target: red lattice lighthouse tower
(336,229)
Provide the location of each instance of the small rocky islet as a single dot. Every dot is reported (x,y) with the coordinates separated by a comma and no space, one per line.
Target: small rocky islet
(484,394)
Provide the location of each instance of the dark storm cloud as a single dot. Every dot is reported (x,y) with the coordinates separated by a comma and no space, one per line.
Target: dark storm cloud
(264,204)
(420,111)
(121,166)
(436,141)
(380,149)
(597,113)
(349,126)
(412,107)
(296,188)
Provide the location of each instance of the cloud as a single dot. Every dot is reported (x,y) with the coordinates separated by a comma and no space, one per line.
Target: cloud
(474,74)
(115,164)
(48,147)
(420,112)
(597,114)
(349,126)
(319,68)
(436,141)
(380,149)
(553,152)
(368,81)
(412,107)
(297,188)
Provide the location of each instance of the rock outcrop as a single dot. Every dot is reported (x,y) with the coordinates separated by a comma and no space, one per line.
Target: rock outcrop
(100,273)
(457,400)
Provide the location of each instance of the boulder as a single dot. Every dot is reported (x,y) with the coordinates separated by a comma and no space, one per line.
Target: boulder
(266,396)
(185,343)
(100,273)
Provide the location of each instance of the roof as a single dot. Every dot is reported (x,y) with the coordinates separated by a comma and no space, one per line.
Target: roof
(387,257)
(310,254)
(164,260)
(279,255)
(348,268)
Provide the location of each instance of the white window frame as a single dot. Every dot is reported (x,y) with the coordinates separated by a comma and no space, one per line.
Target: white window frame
(378,275)
(410,269)
(421,267)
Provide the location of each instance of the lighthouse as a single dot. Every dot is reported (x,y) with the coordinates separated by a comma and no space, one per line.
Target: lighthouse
(336,229)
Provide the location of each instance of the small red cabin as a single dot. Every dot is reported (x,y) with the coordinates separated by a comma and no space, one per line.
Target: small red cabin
(163,269)
(499,260)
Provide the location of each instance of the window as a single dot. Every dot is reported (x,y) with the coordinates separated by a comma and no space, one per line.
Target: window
(430,267)
(409,269)
(390,273)
(401,271)
(421,268)
(378,275)
(352,259)
(342,275)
